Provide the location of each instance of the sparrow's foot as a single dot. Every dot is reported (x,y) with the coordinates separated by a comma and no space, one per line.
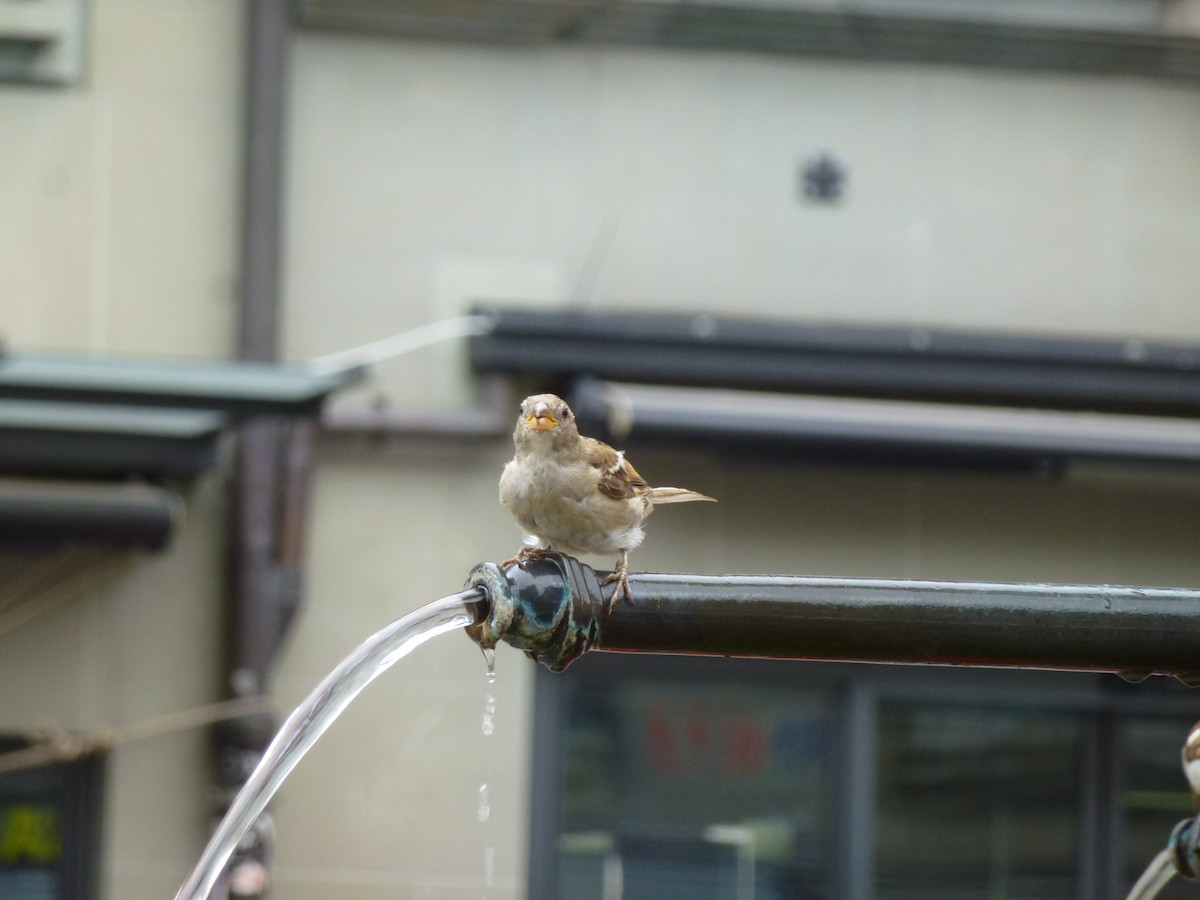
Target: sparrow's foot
(524,555)
(619,577)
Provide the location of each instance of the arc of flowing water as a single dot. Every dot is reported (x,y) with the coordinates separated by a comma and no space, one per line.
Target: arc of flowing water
(308,722)
(1160,871)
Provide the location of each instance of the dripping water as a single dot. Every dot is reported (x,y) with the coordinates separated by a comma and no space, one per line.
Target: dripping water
(484,810)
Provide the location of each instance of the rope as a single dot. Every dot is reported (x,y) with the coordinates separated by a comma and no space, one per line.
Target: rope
(17,612)
(65,746)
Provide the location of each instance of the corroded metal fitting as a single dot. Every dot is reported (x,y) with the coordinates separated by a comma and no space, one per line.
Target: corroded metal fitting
(1184,847)
(548,606)
(488,631)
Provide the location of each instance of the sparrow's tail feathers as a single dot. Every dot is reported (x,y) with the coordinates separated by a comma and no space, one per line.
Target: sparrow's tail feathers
(676,495)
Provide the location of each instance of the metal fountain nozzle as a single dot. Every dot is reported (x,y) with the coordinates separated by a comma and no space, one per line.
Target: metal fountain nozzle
(548,607)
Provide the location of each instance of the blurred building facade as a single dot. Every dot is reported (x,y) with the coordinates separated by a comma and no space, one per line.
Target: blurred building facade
(425,173)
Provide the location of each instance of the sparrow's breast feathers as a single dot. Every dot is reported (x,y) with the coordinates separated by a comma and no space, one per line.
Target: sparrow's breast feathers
(575,493)
(590,502)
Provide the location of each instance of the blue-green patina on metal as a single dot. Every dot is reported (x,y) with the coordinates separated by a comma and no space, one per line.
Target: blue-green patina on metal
(549,607)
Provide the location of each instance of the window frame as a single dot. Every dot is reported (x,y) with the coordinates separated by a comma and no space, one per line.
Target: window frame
(80,798)
(858,689)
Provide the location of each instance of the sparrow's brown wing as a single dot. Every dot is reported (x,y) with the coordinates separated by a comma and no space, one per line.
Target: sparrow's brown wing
(618,479)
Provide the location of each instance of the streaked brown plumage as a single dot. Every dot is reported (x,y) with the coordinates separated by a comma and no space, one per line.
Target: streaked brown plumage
(576,494)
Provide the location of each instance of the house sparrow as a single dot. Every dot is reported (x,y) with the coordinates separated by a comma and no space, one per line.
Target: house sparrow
(576,494)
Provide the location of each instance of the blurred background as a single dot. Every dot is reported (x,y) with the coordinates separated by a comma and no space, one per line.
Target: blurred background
(911,286)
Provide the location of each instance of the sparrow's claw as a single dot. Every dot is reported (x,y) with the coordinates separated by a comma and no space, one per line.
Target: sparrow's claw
(619,577)
(524,555)
(621,590)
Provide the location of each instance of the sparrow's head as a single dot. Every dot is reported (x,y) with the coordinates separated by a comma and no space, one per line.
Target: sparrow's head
(545,418)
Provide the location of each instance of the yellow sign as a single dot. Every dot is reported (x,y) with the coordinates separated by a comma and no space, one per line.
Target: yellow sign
(29,834)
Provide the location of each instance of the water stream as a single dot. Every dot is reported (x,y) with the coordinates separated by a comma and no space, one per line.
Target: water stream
(368,661)
(1154,879)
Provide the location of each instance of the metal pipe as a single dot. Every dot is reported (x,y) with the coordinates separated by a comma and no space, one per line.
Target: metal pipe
(269,32)
(47,514)
(881,431)
(553,608)
(265,585)
(263,592)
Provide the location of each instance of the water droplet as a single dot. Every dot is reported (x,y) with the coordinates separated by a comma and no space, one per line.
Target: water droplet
(489,714)
(485,808)
(1134,677)
(489,703)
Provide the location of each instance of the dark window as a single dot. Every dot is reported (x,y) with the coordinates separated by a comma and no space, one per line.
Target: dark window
(977,803)
(1154,796)
(665,777)
(683,789)
(49,819)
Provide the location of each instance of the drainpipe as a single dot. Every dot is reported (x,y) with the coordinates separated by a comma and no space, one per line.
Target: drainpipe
(273,464)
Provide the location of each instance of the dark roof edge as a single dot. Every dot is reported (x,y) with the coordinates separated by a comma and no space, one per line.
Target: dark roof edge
(1131,376)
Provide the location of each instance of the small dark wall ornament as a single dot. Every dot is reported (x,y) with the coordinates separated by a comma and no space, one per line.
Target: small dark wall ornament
(822,180)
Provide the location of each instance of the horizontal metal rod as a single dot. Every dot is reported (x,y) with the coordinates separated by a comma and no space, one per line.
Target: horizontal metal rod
(799,28)
(1081,627)
(559,613)
(50,513)
(884,431)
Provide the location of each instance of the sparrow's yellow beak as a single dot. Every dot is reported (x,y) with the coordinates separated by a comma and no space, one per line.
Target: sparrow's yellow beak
(541,419)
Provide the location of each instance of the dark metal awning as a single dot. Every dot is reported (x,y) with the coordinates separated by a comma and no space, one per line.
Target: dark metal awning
(1073,39)
(1129,376)
(843,393)
(101,440)
(94,416)
(233,388)
(88,421)
(36,515)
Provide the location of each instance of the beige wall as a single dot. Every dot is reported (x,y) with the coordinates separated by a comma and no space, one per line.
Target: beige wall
(118,226)
(115,640)
(423,176)
(159,637)
(118,233)
(386,804)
